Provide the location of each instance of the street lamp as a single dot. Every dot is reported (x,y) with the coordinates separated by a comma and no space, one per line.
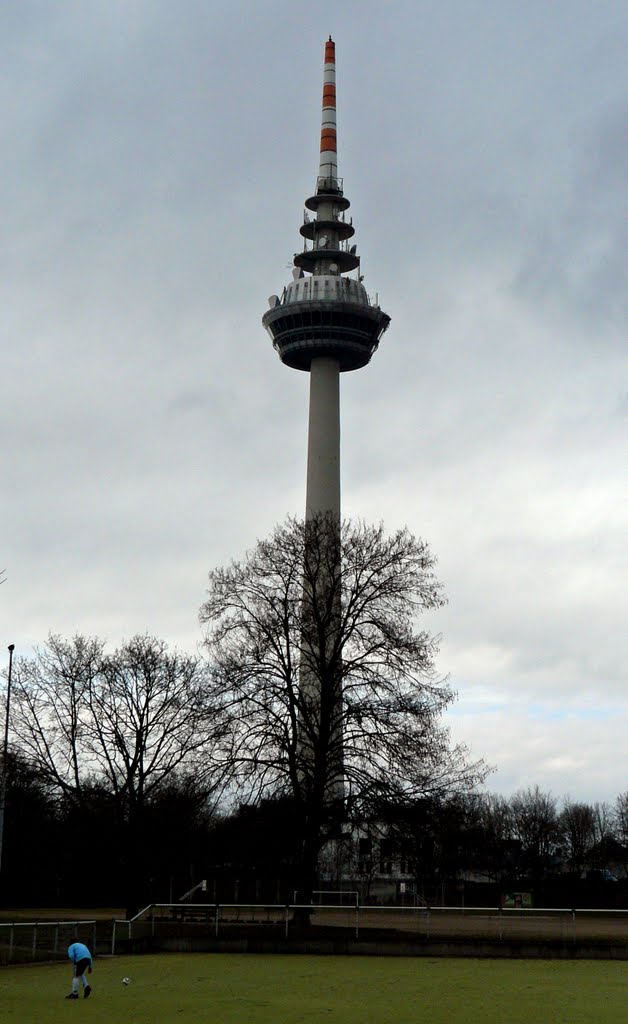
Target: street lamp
(5,747)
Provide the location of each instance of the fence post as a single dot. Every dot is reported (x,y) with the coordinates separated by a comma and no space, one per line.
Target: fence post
(113,938)
(573,924)
(11,936)
(500,923)
(56,949)
(152,921)
(427,924)
(34,940)
(287,918)
(357,919)
(217,915)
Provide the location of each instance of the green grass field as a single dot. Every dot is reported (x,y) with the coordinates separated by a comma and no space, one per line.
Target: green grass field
(248,989)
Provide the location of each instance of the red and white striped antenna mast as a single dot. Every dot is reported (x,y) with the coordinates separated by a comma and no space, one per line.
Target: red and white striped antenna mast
(328,167)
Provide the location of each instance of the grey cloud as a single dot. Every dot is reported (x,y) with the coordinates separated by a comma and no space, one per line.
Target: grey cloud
(579,259)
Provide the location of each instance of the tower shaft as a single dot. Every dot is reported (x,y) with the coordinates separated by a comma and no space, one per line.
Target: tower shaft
(322,496)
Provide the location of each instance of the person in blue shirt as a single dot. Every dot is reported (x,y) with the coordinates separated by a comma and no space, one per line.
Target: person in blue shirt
(81,957)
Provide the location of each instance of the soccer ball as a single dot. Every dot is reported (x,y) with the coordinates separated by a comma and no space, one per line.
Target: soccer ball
(125,981)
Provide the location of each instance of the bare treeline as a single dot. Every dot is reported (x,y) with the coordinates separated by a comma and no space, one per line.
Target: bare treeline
(109,734)
(529,835)
(126,720)
(317,694)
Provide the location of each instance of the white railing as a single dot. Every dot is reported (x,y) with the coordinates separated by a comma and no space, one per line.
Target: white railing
(473,924)
(22,941)
(42,940)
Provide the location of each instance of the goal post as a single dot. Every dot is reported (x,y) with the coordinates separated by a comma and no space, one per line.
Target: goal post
(335,897)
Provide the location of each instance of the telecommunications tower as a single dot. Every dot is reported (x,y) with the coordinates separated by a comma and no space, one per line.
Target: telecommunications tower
(324,322)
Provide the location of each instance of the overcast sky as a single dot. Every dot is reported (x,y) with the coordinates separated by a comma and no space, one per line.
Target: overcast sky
(155,159)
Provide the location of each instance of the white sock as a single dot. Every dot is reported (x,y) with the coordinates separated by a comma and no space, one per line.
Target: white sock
(84,980)
(75,985)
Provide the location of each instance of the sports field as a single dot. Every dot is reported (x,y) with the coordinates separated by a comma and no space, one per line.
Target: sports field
(249,989)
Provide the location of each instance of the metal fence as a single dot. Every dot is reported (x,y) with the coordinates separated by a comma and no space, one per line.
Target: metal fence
(356,922)
(23,941)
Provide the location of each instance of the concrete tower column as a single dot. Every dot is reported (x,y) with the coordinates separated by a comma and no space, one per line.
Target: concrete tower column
(322,496)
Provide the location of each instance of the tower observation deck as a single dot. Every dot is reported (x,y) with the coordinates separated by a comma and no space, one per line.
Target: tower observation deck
(322,312)
(324,321)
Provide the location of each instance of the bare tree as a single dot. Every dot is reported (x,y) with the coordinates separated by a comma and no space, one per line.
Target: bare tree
(621,818)
(535,825)
(577,828)
(50,717)
(494,817)
(370,706)
(150,717)
(603,833)
(621,827)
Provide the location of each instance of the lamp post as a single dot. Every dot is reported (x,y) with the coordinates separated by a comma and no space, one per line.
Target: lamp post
(5,747)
